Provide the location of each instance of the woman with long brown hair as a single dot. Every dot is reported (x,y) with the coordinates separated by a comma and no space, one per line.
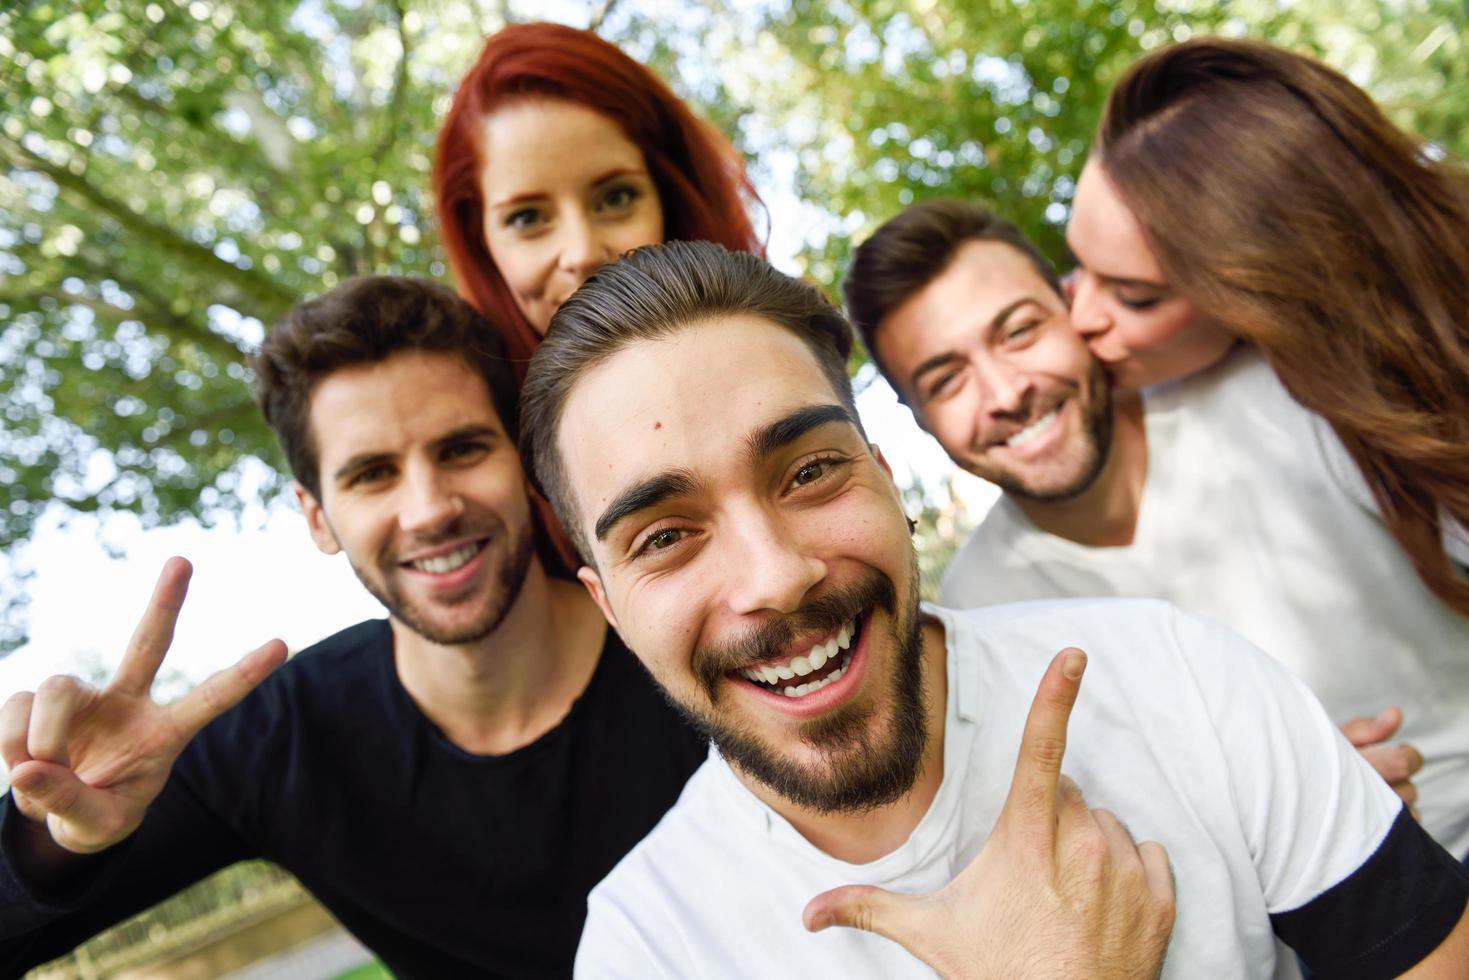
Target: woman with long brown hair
(1239,192)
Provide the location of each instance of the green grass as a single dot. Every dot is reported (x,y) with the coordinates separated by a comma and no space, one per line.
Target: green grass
(367,971)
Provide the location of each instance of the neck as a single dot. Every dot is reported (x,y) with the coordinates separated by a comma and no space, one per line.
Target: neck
(863,836)
(1104,514)
(502,692)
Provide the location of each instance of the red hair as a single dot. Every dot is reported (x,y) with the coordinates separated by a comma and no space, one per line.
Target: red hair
(700,178)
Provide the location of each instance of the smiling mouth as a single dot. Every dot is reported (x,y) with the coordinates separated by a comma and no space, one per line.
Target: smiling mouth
(443,564)
(1034,429)
(806,673)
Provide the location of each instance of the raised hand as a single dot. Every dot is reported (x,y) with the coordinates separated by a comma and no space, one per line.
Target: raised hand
(1058,890)
(88,762)
(1394,763)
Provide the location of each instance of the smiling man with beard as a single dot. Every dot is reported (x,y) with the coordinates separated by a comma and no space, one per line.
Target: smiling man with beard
(691,420)
(450,781)
(1218,492)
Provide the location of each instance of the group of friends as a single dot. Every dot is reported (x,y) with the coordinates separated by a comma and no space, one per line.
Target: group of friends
(657,696)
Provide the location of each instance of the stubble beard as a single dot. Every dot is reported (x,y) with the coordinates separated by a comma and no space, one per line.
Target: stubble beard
(859,769)
(1096,408)
(506,590)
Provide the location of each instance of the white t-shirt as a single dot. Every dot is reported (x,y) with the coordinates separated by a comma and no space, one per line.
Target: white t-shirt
(1254,515)
(1190,735)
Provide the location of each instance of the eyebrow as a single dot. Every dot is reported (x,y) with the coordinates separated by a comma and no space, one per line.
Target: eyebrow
(612,174)
(476,430)
(760,444)
(1115,280)
(997,321)
(770,438)
(642,495)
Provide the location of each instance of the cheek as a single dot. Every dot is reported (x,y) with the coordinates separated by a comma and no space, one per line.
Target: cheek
(645,229)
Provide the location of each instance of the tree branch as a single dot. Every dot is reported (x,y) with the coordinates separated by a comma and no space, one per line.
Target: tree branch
(600,18)
(271,296)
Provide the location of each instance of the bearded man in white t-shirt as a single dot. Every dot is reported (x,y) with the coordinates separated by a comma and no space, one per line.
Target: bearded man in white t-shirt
(690,417)
(1218,492)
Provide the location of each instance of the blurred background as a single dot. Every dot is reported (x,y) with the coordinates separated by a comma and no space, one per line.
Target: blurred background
(175,174)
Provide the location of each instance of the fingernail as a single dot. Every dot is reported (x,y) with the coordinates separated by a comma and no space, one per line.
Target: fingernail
(1073,665)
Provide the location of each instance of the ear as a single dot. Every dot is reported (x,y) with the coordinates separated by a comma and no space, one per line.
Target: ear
(587,575)
(316,522)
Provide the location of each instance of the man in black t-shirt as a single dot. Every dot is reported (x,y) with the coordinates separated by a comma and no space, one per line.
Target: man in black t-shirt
(450,783)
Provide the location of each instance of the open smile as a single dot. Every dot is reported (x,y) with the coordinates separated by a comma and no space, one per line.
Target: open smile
(816,680)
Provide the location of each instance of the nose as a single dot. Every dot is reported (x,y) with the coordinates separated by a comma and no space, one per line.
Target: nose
(1007,388)
(584,248)
(770,568)
(430,502)
(1088,313)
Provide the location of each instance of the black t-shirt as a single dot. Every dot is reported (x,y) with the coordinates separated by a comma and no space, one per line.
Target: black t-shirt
(444,863)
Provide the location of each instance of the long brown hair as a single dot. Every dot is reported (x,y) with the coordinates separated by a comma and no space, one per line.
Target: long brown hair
(1282,203)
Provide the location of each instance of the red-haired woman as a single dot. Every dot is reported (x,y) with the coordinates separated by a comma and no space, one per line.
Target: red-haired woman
(558,154)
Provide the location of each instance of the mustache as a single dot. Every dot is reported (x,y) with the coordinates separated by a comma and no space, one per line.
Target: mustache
(769,639)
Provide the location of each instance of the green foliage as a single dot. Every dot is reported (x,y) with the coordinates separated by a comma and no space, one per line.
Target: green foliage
(174,174)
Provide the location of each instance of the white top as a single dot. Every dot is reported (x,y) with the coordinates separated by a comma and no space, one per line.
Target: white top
(1254,515)
(1189,734)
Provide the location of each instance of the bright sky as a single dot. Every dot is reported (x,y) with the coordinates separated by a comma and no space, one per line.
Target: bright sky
(266,579)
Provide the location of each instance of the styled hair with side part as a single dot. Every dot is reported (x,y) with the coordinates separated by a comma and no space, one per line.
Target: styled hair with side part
(700,177)
(1283,204)
(650,294)
(912,249)
(365,321)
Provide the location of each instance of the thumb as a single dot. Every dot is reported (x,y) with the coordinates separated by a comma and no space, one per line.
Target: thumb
(1362,732)
(868,908)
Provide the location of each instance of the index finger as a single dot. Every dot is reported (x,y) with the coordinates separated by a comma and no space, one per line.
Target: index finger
(155,630)
(1031,805)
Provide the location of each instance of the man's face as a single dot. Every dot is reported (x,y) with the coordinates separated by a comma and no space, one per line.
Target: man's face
(987,359)
(422,488)
(750,547)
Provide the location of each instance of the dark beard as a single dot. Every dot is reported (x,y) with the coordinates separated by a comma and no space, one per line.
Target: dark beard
(862,771)
(1098,422)
(506,591)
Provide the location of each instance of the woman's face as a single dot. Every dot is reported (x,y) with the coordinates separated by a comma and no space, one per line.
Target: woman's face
(1121,304)
(565,191)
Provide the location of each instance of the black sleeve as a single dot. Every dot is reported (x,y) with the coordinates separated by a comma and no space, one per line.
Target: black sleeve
(180,842)
(1386,916)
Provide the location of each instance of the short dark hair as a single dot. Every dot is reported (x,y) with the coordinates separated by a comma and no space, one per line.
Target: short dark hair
(652,293)
(366,320)
(912,249)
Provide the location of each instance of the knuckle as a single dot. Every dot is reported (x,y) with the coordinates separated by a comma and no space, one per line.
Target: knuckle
(1047,751)
(58,686)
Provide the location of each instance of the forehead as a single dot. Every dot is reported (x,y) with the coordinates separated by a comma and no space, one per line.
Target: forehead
(982,279)
(534,144)
(1104,233)
(387,407)
(686,401)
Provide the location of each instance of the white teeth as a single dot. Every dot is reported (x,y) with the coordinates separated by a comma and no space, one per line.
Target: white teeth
(1032,430)
(801,690)
(447,563)
(817,658)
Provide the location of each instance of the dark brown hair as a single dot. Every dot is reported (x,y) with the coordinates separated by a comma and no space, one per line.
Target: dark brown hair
(913,249)
(700,178)
(651,293)
(1283,204)
(365,321)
